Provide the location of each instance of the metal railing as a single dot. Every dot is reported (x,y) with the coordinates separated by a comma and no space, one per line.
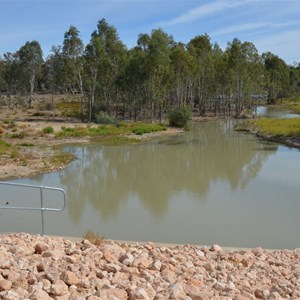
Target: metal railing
(41,208)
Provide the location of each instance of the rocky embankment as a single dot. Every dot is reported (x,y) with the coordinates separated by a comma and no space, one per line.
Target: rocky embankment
(35,267)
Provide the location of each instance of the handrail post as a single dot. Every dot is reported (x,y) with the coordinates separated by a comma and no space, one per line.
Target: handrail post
(42,210)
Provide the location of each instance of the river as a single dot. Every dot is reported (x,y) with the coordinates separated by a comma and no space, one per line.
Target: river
(211,185)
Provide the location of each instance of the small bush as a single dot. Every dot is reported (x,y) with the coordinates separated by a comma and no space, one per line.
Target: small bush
(180,116)
(48,130)
(93,238)
(104,118)
(18,135)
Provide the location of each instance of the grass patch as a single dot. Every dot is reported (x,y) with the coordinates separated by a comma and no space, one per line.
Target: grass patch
(61,159)
(111,130)
(295,107)
(48,130)
(69,109)
(148,128)
(276,127)
(3,147)
(15,153)
(291,99)
(17,135)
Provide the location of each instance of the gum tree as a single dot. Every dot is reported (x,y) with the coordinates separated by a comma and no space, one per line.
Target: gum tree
(30,59)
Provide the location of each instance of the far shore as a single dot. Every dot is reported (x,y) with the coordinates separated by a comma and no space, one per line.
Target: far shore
(38,154)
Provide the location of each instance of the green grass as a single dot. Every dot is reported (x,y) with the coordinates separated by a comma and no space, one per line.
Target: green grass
(3,147)
(295,107)
(148,128)
(276,127)
(111,130)
(48,130)
(291,99)
(61,159)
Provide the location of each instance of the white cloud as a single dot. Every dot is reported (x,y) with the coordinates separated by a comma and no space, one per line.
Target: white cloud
(240,27)
(284,44)
(206,10)
(252,26)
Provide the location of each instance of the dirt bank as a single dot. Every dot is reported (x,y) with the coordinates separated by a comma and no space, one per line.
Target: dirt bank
(31,151)
(35,267)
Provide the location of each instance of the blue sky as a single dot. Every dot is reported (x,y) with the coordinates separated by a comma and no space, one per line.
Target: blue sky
(272,25)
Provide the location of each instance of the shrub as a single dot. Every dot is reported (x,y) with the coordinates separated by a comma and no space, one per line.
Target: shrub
(48,130)
(180,116)
(95,239)
(104,118)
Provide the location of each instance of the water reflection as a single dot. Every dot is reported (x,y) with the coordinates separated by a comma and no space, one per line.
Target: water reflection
(279,112)
(107,177)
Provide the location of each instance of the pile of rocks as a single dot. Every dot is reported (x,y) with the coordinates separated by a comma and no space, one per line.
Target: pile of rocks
(35,267)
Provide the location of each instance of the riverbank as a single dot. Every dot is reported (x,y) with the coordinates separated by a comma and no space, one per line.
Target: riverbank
(35,147)
(35,267)
(284,131)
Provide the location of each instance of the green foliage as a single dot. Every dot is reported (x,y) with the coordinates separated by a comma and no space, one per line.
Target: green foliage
(72,132)
(180,116)
(277,127)
(3,146)
(148,128)
(9,123)
(48,130)
(17,135)
(144,82)
(111,130)
(104,118)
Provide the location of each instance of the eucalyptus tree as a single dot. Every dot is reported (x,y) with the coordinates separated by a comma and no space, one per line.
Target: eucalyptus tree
(11,74)
(112,62)
(72,52)
(94,52)
(133,83)
(200,48)
(221,82)
(294,76)
(30,58)
(158,68)
(245,70)
(54,66)
(182,64)
(2,76)
(277,76)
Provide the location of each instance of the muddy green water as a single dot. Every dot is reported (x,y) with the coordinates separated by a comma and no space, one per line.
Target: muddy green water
(210,185)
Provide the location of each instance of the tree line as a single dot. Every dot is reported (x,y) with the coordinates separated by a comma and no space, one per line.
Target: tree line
(156,75)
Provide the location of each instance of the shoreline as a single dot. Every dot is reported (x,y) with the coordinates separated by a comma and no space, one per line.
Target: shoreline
(47,154)
(35,267)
